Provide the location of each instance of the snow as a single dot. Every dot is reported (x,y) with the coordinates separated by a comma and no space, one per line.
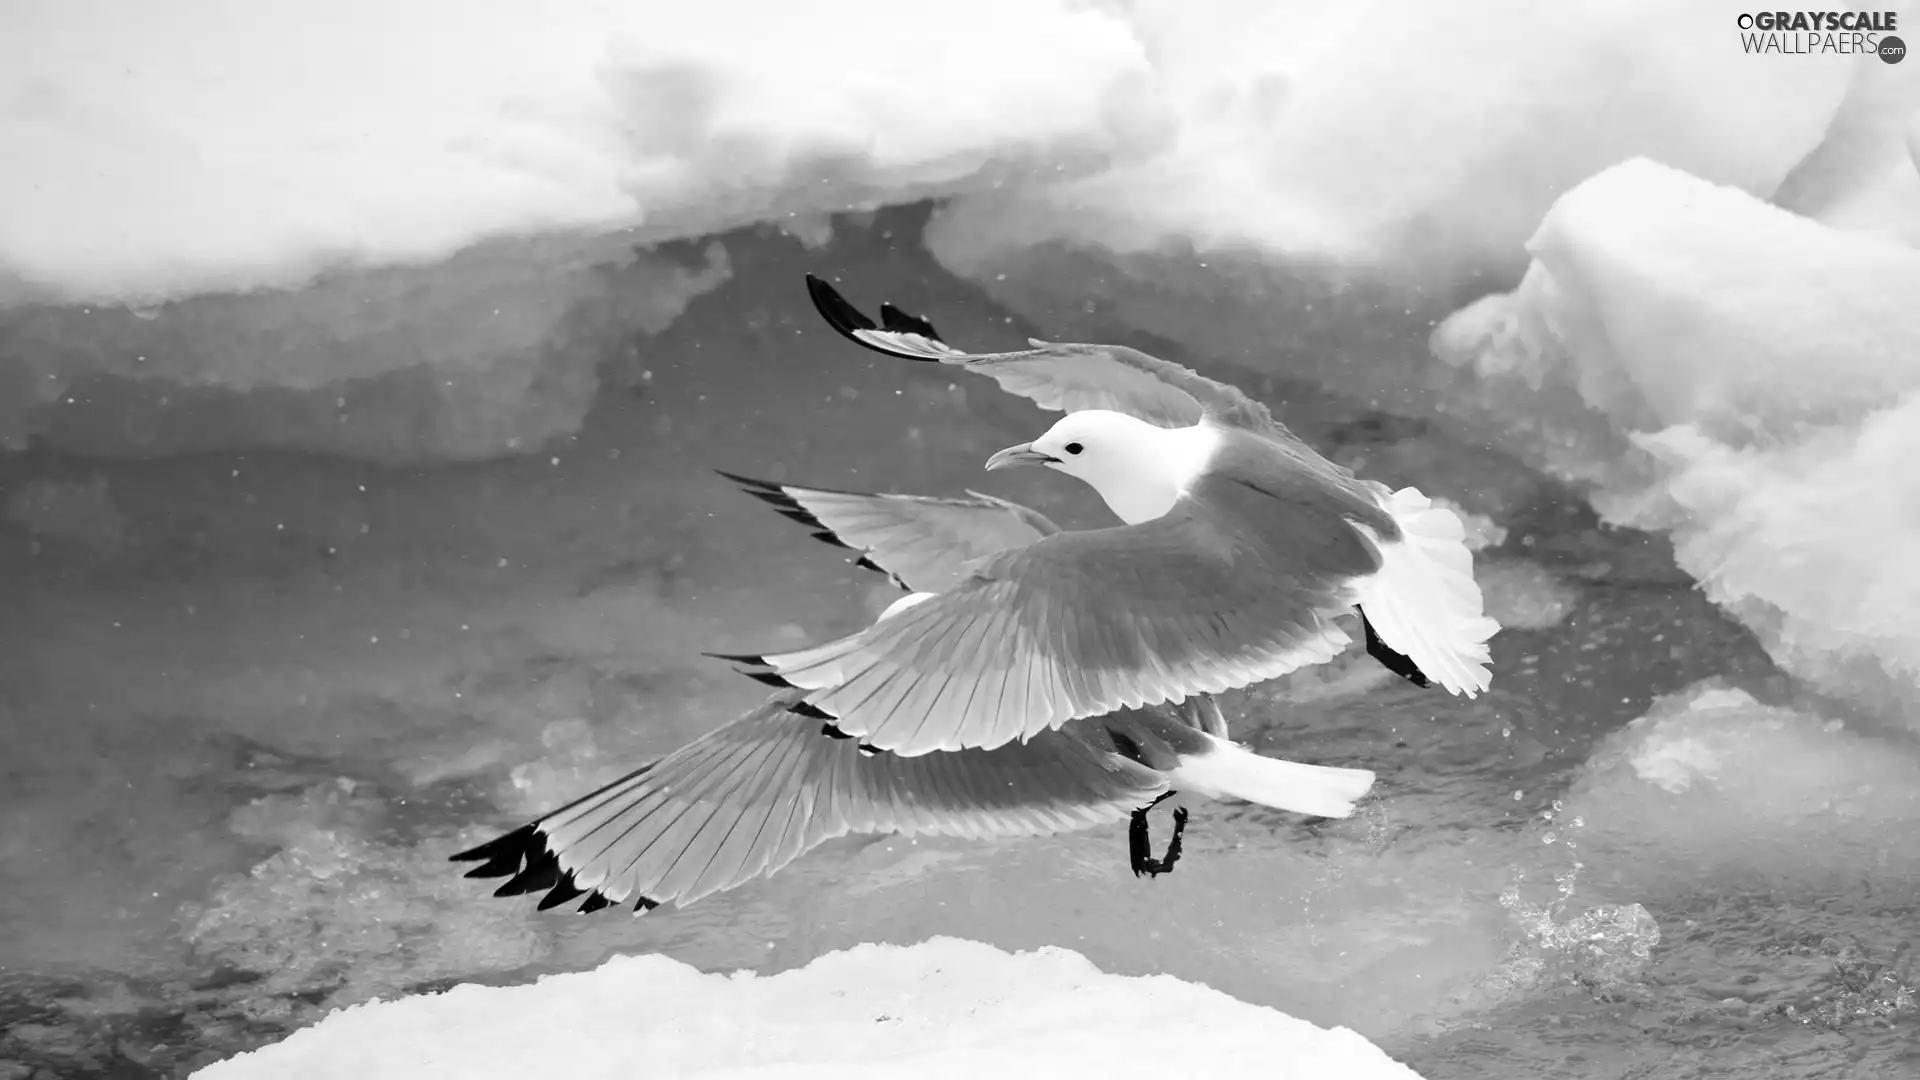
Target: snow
(202,163)
(536,284)
(1745,379)
(1865,174)
(329,247)
(1713,781)
(942,1008)
(1679,301)
(273,140)
(1412,138)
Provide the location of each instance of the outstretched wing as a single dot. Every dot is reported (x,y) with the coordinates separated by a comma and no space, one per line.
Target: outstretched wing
(1064,377)
(752,796)
(1230,588)
(923,543)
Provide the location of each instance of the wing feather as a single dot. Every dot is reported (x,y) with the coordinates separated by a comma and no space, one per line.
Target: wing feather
(924,543)
(1199,600)
(755,794)
(1064,377)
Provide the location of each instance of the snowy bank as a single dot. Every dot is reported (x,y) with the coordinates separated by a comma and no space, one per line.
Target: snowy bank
(1344,180)
(215,146)
(329,246)
(1220,174)
(946,1007)
(1745,379)
(1409,138)
(463,189)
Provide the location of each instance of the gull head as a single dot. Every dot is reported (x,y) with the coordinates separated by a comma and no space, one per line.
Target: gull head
(1139,469)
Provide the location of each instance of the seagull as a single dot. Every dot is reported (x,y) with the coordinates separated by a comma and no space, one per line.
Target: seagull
(757,793)
(1238,548)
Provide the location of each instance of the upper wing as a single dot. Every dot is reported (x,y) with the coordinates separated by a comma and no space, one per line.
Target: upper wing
(924,543)
(1230,588)
(1065,377)
(750,797)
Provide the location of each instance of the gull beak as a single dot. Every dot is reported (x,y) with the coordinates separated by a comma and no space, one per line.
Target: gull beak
(1024,454)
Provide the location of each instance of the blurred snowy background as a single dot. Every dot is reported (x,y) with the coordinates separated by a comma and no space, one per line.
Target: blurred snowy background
(362,368)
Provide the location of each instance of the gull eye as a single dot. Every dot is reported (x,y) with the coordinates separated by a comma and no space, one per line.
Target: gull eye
(1074,448)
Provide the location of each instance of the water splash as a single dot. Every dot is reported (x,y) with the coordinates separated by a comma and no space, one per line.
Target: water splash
(1604,947)
(1868,991)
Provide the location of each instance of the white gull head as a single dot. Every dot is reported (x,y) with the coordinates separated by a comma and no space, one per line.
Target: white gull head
(1139,469)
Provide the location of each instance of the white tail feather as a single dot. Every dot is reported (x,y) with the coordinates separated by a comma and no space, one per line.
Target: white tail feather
(1228,770)
(1423,601)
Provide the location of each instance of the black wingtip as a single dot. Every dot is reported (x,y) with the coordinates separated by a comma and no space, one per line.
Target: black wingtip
(847,320)
(814,712)
(776,496)
(523,857)
(766,678)
(736,658)
(1397,662)
(562,891)
(865,563)
(749,482)
(892,318)
(832,731)
(502,855)
(838,310)
(541,872)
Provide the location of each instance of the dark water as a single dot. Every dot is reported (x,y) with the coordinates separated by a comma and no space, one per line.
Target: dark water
(253,701)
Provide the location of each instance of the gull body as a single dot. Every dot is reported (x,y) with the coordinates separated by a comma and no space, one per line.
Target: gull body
(755,794)
(1238,548)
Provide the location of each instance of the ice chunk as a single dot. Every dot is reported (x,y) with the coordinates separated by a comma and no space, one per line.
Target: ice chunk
(220,146)
(492,351)
(1863,175)
(327,246)
(1402,133)
(1674,300)
(1524,595)
(1711,781)
(943,1008)
(1344,183)
(336,916)
(1744,378)
(1810,544)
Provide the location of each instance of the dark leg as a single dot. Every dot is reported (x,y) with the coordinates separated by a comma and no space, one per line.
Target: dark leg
(1140,841)
(1397,662)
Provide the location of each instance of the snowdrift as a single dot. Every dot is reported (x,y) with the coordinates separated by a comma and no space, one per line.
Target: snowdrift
(1743,378)
(231,226)
(943,1008)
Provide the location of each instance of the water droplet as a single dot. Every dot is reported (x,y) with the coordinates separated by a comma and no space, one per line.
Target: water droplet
(1550,837)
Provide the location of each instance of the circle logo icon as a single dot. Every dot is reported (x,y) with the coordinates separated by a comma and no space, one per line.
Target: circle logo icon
(1892,49)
